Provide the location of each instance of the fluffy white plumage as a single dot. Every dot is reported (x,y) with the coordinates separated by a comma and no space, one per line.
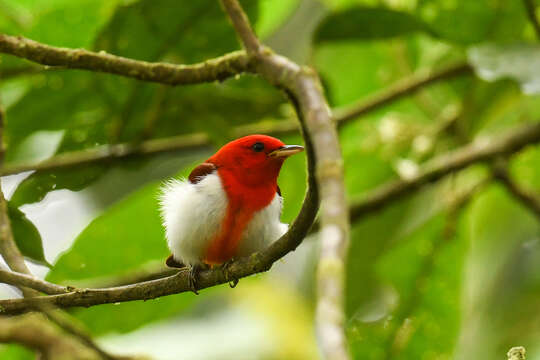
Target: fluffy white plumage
(192,216)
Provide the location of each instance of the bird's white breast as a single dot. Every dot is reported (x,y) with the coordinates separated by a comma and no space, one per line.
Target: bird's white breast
(193,214)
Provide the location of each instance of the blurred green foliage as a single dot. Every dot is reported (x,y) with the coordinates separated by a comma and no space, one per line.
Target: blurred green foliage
(425,280)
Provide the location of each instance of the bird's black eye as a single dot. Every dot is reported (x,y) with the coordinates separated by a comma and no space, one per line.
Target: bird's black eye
(258,147)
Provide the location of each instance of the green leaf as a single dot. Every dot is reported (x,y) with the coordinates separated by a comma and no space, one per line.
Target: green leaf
(468,22)
(124,237)
(26,235)
(368,23)
(520,62)
(185,31)
(58,22)
(35,187)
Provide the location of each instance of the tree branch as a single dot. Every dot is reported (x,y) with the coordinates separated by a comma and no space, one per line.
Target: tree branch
(29,281)
(33,331)
(211,70)
(531,13)
(242,26)
(481,150)
(527,198)
(402,88)
(106,153)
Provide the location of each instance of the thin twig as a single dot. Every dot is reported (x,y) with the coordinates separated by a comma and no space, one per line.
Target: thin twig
(217,69)
(29,281)
(402,88)
(242,26)
(481,150)
(531,13)
(527,198)
(113,152)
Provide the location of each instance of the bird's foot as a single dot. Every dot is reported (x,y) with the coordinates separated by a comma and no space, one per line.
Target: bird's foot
(231,280)
(192,277)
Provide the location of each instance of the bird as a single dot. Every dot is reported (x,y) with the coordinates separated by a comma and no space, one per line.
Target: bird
(228,207)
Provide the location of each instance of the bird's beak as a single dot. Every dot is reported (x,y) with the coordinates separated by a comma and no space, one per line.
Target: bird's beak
(286,151)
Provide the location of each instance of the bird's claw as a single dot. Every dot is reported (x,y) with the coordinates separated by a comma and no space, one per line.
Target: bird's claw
(234,281)
(192,278)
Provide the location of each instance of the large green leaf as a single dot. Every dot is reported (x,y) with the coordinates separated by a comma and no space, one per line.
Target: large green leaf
(186,31)
(58,22)
(26,235)
(467,22)
(132,228)
(368,23)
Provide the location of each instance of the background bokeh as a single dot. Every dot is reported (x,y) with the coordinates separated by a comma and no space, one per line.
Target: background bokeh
(451,271)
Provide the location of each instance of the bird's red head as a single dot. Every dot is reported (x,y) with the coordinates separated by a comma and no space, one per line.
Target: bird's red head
(253,160)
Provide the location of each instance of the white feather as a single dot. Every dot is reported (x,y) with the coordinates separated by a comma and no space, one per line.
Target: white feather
(193,213)
(263,229)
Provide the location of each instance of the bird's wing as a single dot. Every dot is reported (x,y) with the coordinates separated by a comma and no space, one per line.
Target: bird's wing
(200,172)
(278,191)
(194,177)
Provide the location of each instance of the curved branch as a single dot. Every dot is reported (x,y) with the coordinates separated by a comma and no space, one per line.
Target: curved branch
(478,151)
(29,281)
(211,70)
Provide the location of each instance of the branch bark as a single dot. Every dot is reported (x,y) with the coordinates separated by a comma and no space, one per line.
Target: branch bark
(31,282)
(211,70)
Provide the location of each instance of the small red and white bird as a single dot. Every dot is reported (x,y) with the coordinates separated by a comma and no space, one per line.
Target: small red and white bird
(229,206)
